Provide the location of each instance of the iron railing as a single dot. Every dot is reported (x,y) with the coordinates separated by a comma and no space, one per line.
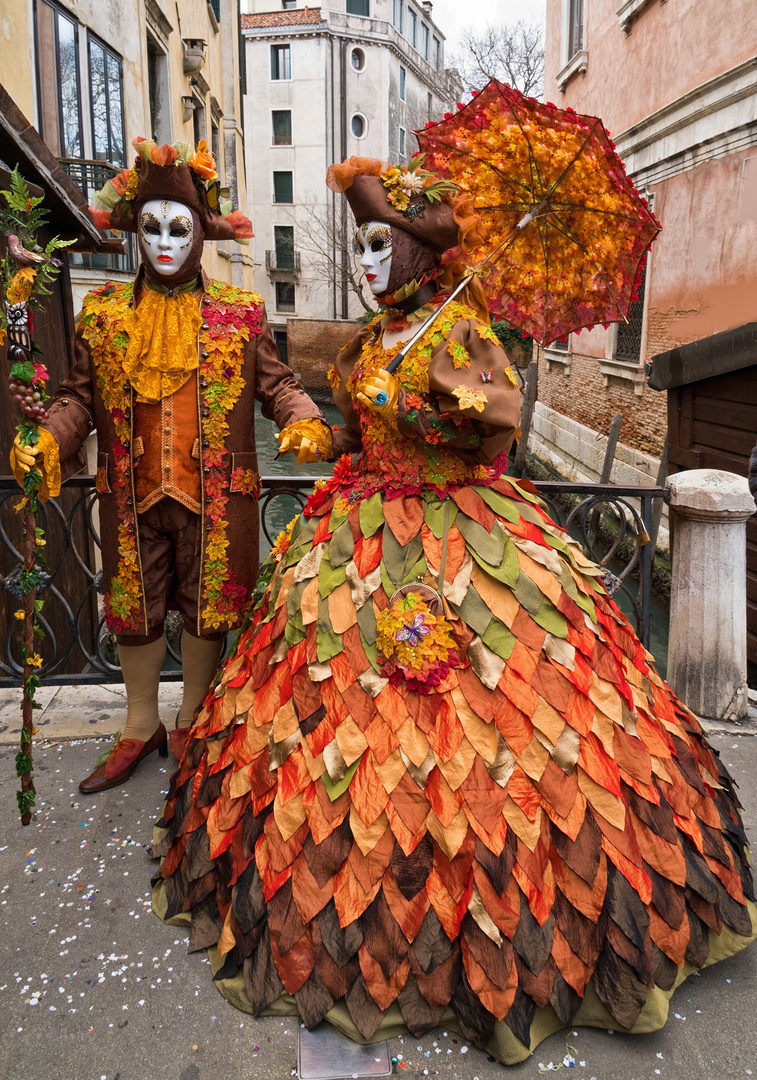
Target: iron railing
(282,261)
(92,653)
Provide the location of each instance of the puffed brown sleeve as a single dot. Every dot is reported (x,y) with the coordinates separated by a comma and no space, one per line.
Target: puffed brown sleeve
(281,396)
(447,414)
(347,439)
(71,414)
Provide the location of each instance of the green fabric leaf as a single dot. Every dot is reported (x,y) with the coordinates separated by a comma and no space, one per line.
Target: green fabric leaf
(417,572)
(508,570)
(434,515)
(499,639)
(366,620)
(371,514)
(399,560)
(371,652)
(329,578)
(337,519)
(294,631)
(335,790)
(489,545)
(551,620)
(474,611)
(328,646)
(528,594)
(341,545)
(294,597)
(500,504)
(324,619)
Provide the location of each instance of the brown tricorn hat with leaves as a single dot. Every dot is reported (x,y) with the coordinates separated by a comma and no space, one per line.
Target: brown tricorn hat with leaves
(408,197)
(170,172)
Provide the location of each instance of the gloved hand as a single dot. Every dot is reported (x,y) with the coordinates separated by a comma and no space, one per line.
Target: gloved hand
(380,393)
(24,458)
(45,457)
(310,440)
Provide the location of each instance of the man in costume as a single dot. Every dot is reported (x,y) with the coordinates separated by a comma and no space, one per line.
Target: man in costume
(167,370)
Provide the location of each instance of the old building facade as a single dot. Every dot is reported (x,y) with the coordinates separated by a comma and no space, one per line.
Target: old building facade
(323,83)
(92,76)
(676,85)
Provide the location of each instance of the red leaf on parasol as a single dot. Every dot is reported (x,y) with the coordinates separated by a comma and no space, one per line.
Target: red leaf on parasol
(575,259)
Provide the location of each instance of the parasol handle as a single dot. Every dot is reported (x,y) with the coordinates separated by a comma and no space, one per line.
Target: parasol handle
(426,325)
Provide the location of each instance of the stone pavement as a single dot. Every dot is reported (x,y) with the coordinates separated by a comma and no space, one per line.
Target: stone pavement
(94,987)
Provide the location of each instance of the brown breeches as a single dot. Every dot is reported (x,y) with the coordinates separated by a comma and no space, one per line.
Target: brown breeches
(169,546)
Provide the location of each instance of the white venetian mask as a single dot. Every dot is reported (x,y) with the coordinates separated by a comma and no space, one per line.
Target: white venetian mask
(373,247)
(166,230)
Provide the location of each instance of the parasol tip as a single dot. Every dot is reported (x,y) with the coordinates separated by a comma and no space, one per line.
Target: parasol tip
(525,220)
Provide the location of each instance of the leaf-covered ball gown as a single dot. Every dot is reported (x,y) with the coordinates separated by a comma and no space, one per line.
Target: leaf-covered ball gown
(494,815)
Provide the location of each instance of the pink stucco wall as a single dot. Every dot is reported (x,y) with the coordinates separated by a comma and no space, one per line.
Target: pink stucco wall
(673,48)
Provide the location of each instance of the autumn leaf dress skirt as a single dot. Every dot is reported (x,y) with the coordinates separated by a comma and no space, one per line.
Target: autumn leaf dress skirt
(490,813)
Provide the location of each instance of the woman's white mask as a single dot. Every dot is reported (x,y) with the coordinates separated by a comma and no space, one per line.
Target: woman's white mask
(373,247)
(166,229)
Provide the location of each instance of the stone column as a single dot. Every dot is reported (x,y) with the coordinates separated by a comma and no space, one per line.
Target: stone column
(707,649)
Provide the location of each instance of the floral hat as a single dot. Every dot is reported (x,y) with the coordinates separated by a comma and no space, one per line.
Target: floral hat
(170,172)
(410,198)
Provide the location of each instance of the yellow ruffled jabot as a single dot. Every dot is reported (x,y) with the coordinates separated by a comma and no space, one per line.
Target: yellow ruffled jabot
(162,351)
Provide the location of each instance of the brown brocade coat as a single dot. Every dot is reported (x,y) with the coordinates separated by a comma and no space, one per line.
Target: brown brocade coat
(78,408)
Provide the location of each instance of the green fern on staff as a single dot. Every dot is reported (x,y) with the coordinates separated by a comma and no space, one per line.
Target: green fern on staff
(27,272)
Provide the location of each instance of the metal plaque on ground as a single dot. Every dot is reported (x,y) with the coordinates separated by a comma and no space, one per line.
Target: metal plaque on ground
(325,1054)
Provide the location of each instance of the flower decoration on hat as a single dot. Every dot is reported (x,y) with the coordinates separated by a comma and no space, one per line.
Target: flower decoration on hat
(405,182)
(171,170)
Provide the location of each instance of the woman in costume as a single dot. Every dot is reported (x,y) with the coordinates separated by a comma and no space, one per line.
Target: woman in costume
(439,779)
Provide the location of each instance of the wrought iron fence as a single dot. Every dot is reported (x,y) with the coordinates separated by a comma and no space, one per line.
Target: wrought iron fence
(92,653)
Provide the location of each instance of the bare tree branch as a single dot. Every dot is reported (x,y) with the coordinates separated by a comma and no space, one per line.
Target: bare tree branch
(330,245)
(513,53)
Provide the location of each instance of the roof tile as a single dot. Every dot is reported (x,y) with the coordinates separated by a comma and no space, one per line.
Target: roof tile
(298,17)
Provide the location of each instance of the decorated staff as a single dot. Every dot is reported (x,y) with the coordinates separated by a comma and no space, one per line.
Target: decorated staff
(27,272)
(167,370)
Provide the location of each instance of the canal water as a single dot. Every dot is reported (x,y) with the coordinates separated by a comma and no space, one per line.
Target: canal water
(283,508)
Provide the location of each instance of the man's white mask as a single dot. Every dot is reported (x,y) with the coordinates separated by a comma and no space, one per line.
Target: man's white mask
(166,229)
(373,247)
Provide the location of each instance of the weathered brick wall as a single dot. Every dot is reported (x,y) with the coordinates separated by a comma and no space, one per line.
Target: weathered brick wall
(582,396)
(313,345)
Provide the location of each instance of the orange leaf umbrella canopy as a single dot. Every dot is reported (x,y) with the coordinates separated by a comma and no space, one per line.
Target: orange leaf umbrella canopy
(575,260)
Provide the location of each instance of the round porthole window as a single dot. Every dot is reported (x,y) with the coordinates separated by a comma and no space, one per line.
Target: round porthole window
(359,126)
(358,59)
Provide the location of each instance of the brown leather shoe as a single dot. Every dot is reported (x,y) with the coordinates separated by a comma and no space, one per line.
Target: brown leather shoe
(123,760)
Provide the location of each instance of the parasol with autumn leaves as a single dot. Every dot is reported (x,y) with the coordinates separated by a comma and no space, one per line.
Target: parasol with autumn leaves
(567,232)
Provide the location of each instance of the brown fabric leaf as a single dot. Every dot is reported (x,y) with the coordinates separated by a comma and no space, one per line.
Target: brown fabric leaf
(431,946)
(313,1001)
(341,943)
(531,941)
(247,900)
(365,1013)
(261,979)
(496,961)
(252,826)
(416,1012)
(582,854)
(538,987)
(583,935)
(438,987)
(325,859)
(410,871)
(206,926)
(564,1000)
(521,1016)
(498,867)
(667,898)
(383,938)
(664,970)
(698,948)
(476,1022)
(618,987)
(284,920)
(336,979)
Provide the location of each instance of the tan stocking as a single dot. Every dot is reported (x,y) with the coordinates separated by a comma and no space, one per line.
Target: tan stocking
(141,666)
(199,660)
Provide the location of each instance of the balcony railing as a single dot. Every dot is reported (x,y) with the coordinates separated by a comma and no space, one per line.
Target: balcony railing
(283,262)
(84,646)
(89,176)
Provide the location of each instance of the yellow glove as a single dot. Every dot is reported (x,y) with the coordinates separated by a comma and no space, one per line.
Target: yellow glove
(44,456)
(379,392)
(310,440)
